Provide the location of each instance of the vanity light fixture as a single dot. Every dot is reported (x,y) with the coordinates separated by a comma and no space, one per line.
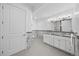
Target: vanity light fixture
(60,18)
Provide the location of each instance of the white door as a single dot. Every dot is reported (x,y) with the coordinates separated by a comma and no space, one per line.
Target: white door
(0,30)
(14,29)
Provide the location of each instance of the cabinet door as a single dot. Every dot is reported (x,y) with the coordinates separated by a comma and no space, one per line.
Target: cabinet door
(62,43)
(46,38)
(52,40)
(49,39)
(14,29)
(56,42)
(69,45)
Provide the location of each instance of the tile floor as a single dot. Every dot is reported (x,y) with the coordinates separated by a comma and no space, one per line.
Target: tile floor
(39,48)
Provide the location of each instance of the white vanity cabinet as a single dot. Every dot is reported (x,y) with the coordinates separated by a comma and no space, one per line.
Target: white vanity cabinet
(64,43)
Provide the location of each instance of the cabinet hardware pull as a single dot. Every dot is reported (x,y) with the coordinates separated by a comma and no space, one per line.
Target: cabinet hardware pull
(2,37)
(2,51)
(2,22)
(2,7)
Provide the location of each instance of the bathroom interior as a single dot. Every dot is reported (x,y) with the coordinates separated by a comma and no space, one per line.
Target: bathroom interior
(39,29)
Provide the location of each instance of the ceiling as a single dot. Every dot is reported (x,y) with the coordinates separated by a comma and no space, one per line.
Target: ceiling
(53,9)
(45,10)
(34,6)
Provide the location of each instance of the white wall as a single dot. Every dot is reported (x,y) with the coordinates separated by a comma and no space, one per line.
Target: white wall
(29,21)
(41,25)
(75,22)
(45,25)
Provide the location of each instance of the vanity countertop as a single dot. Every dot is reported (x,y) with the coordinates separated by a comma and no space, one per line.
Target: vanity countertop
(56,33)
